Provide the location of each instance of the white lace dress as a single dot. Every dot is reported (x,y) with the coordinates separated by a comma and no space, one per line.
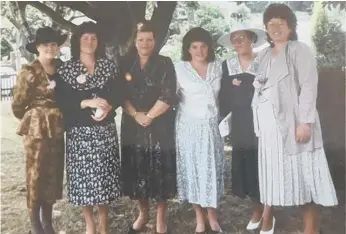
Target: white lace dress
(200,154)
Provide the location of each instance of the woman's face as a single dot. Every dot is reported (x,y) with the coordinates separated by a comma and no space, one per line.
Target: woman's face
(241,42)
(278,30)
(198,51)
(88,43)
(48,50)
(145,43)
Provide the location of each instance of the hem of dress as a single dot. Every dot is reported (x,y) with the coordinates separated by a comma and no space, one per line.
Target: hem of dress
(94,203)
(302,203)
(203,205)
(157,199)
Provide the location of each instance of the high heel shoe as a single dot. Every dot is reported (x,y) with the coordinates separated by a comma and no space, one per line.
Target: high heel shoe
(215,232)
(271,231)
(252,226)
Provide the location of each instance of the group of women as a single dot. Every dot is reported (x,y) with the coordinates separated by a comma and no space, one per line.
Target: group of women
(170,140)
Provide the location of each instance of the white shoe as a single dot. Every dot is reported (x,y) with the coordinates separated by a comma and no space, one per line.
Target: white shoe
(253,226)
(271,231)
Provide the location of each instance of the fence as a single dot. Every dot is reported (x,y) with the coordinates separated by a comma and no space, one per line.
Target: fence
(6,86)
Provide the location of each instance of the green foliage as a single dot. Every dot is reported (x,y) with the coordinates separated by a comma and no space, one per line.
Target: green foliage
(6,48)
(193,14)
(257,6)
(328,38)
(305,6)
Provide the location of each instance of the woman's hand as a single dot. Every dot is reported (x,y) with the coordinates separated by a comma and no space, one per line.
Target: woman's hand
(303,133)
(102,117)
(96,103)
(142,119)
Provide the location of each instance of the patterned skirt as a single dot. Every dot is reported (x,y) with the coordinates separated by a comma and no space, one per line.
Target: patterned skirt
(92,165)
(200,161)
(290,180)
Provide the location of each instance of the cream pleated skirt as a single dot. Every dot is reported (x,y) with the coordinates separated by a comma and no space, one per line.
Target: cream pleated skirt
(290,180)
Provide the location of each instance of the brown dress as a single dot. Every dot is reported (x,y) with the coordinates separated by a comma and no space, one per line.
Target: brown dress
(42,130)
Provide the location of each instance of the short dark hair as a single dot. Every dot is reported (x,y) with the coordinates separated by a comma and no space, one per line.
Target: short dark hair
(143,26)
(87,27)
(281,11)
(194,35)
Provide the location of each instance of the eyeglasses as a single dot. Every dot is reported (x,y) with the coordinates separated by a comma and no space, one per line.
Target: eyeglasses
(236,39)
(272,24)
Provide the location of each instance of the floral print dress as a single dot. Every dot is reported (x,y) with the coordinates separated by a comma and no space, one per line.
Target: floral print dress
(92,152)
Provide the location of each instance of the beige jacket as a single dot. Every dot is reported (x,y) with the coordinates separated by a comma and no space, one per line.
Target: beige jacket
(293,80)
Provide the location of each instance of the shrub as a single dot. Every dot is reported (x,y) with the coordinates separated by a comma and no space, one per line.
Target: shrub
(328,38)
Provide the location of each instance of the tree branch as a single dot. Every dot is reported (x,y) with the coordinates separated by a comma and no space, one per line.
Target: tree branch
(137,10)
(53,15)
(14,22)
(162,17)
(86,8)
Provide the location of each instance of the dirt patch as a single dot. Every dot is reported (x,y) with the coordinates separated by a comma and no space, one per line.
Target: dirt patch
(234,213)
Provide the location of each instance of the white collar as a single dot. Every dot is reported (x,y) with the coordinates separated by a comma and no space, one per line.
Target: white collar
(234,67)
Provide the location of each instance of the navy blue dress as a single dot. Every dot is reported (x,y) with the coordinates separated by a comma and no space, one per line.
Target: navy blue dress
(243,139)
(148,154)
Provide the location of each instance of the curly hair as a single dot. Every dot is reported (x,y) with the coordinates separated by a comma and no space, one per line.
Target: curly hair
(201,35)
(281,11)
(86,27)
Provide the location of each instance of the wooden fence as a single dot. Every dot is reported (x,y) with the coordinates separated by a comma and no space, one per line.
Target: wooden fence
(6,86)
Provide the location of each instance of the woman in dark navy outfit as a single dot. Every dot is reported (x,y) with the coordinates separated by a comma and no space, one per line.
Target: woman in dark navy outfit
(235,96)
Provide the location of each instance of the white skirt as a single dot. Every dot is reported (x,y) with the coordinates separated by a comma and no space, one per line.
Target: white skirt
(200,161)
(290,180)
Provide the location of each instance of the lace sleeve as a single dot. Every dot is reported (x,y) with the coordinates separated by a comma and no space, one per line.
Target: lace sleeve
(168,84)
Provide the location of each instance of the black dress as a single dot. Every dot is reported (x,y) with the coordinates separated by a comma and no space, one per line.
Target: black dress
(243,139)
(148,154)
(92,151)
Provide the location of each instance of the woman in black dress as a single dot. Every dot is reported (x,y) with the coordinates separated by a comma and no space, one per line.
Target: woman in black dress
(88,92)
(235,96)
(147,134)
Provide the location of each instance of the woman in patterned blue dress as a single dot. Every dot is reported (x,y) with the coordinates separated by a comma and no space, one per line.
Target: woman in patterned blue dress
(88,92)
(200,153)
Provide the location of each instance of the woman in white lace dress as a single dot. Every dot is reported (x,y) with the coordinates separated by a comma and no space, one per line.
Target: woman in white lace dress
(200,154)
(293,170)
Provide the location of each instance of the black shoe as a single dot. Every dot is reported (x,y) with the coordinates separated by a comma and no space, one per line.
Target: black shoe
(214,232)
(204,232)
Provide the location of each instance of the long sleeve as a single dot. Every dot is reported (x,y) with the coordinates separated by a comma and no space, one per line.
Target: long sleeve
(168,84)
(22,92)
(308,78)
(225,92)
(116,88)
(68,100)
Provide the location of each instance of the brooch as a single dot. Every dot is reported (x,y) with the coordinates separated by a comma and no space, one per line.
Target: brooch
(128,76)
(236,82)
(51,84)
(81,78)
